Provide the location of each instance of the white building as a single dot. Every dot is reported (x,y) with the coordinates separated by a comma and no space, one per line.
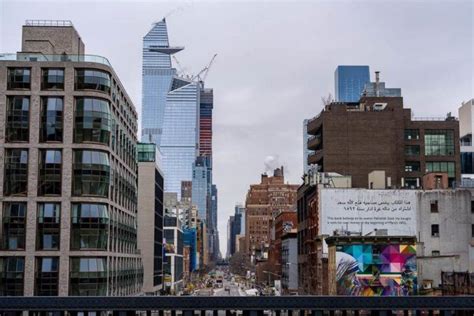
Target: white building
(466,126)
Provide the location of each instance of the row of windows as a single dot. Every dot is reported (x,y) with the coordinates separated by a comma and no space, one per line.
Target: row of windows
(448,167)
(89,226)
(53,79)
(437,143)
(91,172)
(92,120)
(83,273)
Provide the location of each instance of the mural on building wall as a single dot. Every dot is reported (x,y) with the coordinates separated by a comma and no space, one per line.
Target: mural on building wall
(376,270)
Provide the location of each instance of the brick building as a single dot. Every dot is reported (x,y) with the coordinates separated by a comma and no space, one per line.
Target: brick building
(264,201)
(377,133)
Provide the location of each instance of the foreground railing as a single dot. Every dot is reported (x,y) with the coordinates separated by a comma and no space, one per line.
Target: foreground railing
(273,305)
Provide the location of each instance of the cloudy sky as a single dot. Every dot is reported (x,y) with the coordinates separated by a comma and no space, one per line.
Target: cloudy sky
(275,61)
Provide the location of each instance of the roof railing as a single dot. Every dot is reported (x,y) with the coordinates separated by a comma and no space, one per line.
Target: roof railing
(48,23)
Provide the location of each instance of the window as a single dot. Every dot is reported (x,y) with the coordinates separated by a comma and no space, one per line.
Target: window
(12,271)
(18,79)
(88,276)
(18,119)
(48,226)
(16,172)
(52,79)
(91,173)
(472,206)
(435,230)
(442,166)
(51,129)
(90,223)
(434,206)
(472,230)
(14,226)
(412,150)
(49,179)
(439,143)
(435,253)
(411,183)
(411,134)
(47,276)
(91,79)
(92,121)
(411,166)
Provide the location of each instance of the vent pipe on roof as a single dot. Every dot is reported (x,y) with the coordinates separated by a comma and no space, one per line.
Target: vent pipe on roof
(377,80)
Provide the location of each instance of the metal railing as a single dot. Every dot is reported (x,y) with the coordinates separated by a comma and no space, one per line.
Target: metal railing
(63,57)
(188,305)
(48,23)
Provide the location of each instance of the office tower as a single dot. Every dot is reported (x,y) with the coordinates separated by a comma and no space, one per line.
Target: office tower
(170,109)
(377,89)
(201,187)
(264,201)
(350,82)
(68,173)
(466,123)
(173,269)
(380,134)
(230,235)
(150,217)
(186,191)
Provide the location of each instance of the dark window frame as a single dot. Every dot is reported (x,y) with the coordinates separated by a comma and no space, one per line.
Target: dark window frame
(17,119)
(50,172)
(92,79)
(17,80)
(16,172)
(52,118)
(54,85)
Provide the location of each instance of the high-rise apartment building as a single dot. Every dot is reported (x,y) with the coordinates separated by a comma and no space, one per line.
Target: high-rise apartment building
(150,217)
(201,187)
(350,81)
(378,133)
(237,222)
(263,203)
(68,170)
(170,108)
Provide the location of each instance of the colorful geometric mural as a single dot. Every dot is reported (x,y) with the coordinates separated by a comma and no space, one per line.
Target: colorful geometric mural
(376,270)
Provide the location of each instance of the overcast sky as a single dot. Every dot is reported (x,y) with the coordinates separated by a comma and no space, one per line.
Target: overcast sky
(275,61)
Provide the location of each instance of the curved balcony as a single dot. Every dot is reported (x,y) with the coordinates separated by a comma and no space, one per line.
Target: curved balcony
(313,142)
(316,157)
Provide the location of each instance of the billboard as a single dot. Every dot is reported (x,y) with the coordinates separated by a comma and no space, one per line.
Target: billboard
(376,270)
(363,211)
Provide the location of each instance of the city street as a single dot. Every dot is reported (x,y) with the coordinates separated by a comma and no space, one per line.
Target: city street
(234,290)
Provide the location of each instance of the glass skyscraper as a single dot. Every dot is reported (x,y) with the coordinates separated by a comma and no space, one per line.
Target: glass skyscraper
(170,106)
(350,82)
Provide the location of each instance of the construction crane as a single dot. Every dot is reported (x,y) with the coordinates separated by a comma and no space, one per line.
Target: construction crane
(205,70)
(180,68)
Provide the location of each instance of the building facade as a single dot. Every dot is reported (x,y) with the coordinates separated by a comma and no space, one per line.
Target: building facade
(289,262)
(150,217)
(68,174)
(173,265)
(170,108)
(379,134)
(264,201)
(466,123)
(349,82)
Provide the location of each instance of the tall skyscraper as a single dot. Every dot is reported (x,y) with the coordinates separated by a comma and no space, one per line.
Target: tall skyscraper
(170,109)
(68,183)
(350,82)
(201,187)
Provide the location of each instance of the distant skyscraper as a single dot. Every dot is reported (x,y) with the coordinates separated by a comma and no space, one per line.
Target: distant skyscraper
(377,89)
(170,107)
(306,151)
(350,82)
(201,187)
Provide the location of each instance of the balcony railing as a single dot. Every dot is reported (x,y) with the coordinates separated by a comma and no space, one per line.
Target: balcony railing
(270,305)
(43,57)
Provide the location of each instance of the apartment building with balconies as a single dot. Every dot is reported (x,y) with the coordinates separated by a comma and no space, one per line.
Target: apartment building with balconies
(68,170)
